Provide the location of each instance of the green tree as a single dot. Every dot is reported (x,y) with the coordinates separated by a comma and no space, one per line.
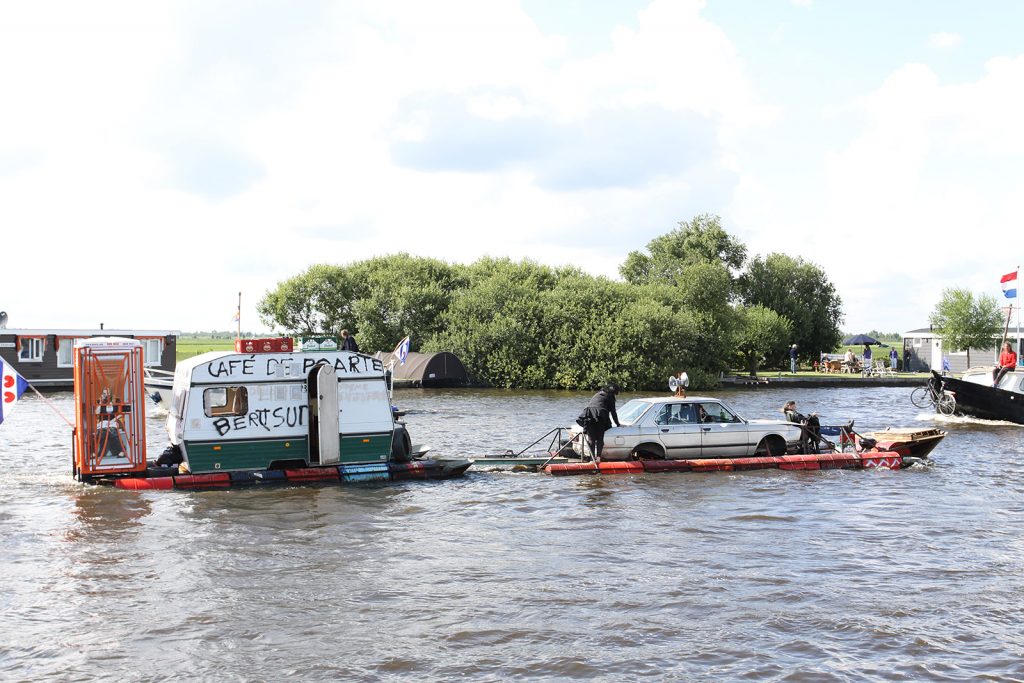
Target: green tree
(380,300)
(402,295)
(761,333)
(800,292)
(318,300)
(701,240)
(966,322)
(499,326)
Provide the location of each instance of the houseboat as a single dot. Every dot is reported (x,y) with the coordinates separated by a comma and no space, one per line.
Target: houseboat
(261,414)
(45,356)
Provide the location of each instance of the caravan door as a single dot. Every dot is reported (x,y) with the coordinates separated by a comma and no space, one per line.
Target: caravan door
(324,440)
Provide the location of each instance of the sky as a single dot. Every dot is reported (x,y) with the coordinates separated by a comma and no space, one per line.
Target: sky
(158,158)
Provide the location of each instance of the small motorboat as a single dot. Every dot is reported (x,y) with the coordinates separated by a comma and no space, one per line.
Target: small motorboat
(913,443)
(159,386)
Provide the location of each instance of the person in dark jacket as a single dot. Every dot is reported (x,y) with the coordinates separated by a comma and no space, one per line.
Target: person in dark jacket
(598,417)
(348,342)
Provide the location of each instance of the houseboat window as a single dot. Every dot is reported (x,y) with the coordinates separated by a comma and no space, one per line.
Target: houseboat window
(66,351)
(31,349)
(152,351)
(221,401)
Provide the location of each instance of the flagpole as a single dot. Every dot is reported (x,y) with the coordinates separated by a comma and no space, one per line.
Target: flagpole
(238,333)
(1019,362)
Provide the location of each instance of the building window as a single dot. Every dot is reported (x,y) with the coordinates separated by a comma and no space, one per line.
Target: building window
(66,351)
(31,349)
(152,350)
(225,401)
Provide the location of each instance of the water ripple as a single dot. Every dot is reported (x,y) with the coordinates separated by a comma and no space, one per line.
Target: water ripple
(777,576)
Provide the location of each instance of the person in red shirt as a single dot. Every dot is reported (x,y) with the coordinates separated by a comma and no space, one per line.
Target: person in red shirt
(1007,362)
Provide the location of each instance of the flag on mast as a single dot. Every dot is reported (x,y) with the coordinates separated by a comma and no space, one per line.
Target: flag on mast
(12,386)
(1009,283)
(401,351)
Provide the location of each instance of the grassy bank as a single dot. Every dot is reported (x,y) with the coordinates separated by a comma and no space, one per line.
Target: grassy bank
(193,346)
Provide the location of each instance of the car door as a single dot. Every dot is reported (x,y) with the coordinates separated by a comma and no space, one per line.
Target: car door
(723,432)
(678,430)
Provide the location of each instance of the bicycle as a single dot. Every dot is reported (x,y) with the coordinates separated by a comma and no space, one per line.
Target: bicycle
(932,395)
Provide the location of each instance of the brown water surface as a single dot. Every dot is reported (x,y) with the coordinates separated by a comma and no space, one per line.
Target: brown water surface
(770,575)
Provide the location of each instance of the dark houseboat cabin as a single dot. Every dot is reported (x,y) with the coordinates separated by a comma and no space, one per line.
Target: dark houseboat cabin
(44,356)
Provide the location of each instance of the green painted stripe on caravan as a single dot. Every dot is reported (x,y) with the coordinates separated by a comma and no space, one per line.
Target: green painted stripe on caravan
(365,448)
(221,456)
(225,456)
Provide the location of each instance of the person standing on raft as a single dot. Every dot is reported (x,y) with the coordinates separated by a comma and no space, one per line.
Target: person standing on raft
(598,417)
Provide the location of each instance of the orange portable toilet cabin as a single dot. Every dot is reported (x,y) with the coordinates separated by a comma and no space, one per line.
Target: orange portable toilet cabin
(110,412)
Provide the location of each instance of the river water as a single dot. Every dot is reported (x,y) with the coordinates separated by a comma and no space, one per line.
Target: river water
(767,575)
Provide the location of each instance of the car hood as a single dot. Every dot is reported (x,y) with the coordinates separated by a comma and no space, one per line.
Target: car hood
(780,423)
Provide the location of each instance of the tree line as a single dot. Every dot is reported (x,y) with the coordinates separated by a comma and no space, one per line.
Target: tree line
(691,300)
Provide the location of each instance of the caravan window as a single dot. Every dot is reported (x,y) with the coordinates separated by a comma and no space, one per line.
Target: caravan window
(222,401)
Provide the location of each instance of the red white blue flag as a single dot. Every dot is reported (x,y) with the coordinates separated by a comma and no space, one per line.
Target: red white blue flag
(1009,283)
(12,386)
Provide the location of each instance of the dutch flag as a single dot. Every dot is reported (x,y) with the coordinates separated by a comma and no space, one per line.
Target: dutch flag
(401,351)
(1009,283)
(12,386)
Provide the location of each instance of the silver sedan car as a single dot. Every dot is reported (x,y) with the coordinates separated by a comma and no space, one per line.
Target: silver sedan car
(695,427)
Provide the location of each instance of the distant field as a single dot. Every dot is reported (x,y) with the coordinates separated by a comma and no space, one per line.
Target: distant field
(193,346)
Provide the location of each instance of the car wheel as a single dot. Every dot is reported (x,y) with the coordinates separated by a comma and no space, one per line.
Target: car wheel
(646,453)
(771,446)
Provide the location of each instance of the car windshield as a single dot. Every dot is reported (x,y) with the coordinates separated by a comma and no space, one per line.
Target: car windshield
(632,411)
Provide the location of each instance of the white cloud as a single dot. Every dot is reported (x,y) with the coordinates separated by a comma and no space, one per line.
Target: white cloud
(944,40)
(179,153)
(912,205)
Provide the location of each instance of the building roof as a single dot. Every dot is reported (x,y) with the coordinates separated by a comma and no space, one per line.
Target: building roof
(69,332)
(929,332)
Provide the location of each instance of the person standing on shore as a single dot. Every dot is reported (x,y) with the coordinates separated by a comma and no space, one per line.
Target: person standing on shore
(792,359)
(894,359)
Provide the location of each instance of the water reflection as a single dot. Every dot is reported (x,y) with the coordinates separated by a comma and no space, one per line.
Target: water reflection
(105,513)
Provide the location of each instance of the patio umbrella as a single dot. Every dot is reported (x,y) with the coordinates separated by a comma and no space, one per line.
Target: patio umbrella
(861,339)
